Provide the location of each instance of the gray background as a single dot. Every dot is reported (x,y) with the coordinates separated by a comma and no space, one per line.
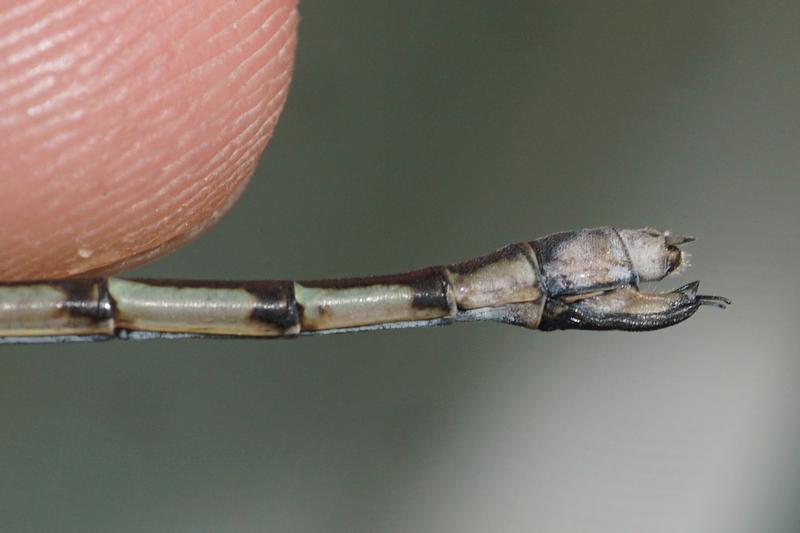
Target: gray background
(423,133)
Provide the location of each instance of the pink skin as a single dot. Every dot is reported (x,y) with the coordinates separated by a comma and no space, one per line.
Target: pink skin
(128,127)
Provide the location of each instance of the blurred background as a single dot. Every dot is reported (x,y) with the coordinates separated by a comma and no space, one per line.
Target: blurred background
(423,133)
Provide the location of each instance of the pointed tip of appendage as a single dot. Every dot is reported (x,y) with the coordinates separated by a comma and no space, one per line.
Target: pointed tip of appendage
(690,290)
(720,302)
(676,240)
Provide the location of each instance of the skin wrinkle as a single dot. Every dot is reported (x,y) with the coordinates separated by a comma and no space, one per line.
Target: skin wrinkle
(181,126)
(231,125)
(250,154)
(39,24)
(187,154)
(143,17)
(110,75)
(224,156)
(37,89)
(234,125)
(250,164)
(94,176)
(48,44)
(45,68)
(161,97)
(137,40)
(243,166)
(19,10)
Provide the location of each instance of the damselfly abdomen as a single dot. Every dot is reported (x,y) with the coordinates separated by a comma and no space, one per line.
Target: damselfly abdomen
(585,279)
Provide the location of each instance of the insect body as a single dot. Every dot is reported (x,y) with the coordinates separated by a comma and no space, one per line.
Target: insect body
(585,279)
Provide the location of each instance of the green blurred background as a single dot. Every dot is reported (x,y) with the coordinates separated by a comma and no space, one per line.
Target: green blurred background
(424,133)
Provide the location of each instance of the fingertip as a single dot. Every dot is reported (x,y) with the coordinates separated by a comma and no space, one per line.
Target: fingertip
(136,131)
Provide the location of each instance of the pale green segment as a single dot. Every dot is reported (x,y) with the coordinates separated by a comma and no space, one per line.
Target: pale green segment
(360,306)
(34,310)
(212,311)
